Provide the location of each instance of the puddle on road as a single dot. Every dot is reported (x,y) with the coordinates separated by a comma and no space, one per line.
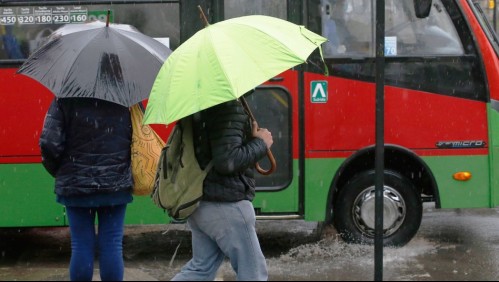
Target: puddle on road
(442,250)
(333,259)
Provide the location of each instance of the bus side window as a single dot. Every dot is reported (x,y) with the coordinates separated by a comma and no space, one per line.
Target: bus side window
(435,35)
(347,26)
(272,108)
(239,8)
(158,20)
(439,33)
(436,47)
(11,48)
(332,29)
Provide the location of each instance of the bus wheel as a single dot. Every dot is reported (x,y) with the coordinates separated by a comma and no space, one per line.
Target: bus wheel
(402,212)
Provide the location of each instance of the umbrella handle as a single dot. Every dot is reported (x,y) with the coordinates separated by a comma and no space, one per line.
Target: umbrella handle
(107,17)
(273,163)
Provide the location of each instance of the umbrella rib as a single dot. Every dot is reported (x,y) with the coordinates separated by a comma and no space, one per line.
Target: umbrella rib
(299,28)
(270,35)
(218,59)
(157,58)
(125,34)
(73,59)
(242,48)
(227,77)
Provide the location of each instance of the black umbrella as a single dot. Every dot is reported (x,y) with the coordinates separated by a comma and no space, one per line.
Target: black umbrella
(112,62)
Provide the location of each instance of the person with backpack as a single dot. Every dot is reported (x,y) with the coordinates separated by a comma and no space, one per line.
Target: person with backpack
(85,145)
(223,225)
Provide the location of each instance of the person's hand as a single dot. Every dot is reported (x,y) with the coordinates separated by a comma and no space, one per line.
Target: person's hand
(263,134)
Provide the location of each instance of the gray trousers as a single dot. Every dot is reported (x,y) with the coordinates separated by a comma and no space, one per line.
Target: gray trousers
(220,230)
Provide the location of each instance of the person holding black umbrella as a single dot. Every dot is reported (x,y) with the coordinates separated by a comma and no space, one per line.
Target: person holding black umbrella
(97,71)
(85,145)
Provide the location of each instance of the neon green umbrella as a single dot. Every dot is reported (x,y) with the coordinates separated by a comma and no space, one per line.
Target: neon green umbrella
(223,61)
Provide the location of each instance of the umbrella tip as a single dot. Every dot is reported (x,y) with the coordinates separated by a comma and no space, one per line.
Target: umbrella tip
(107,18)
(203,17)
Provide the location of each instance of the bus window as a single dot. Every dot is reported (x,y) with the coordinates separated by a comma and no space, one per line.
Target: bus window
(435,54)
(348,24)
(434,35)
(238,8)
(271,106)
(24,28)
(25,32)
(443,58)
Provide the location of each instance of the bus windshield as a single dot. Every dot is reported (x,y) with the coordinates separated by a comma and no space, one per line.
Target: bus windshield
(487,20)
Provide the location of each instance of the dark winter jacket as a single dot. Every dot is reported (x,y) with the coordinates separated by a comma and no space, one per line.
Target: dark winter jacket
(85,145)
(223,134)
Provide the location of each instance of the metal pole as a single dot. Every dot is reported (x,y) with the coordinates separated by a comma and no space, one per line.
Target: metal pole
(379,148)
(495,15)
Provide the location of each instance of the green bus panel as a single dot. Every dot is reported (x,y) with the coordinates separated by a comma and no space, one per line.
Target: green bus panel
(473,193)
(282,201)
(28,200)
(143,211)
(319,175)
(27,197)
(493,116)
(494,177)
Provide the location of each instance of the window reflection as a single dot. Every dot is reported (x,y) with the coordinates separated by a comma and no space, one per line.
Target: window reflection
(22,31)
(272,108)
(238,8)
(435,54)
(349,26)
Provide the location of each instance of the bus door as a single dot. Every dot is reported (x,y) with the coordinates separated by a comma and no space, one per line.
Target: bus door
(275,107)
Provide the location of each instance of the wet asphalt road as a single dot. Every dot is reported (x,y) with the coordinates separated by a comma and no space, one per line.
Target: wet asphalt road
(451,245)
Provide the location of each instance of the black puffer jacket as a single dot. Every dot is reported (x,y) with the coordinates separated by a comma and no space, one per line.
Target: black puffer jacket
(85,145)
(233,149)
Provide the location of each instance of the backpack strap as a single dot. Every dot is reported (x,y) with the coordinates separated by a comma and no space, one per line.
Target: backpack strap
(209,166)
(196,117)
(165,162)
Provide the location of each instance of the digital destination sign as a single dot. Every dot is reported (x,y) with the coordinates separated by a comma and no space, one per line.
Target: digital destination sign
(48,15)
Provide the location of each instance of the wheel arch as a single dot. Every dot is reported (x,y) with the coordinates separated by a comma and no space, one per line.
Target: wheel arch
(397,158)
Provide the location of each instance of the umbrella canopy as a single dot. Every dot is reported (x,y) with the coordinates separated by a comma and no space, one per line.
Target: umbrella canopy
(112,62)
(225,60)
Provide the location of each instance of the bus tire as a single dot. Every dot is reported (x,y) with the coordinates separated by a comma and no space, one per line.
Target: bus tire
(353,214)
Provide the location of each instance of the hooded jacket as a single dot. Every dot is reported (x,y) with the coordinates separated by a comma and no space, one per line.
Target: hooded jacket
(85,145)
(223,134)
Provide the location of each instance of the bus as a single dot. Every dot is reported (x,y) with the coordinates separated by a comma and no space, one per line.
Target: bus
(441,93)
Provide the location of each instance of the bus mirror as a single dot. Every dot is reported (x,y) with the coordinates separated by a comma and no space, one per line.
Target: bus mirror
(422,8)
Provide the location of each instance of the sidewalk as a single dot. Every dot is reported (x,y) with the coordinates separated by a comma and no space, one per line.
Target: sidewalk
(42,254)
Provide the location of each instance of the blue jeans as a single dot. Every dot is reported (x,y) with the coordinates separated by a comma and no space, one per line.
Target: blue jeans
(219,230)
(84,240)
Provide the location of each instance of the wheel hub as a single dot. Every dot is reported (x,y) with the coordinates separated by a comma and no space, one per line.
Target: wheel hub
(394,211)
